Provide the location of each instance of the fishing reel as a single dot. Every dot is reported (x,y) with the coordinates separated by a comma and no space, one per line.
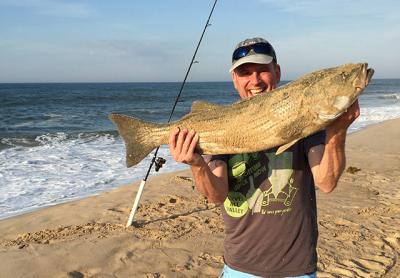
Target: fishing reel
(159,163)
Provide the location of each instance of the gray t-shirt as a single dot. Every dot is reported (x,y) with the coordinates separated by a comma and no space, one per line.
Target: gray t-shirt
(270,214)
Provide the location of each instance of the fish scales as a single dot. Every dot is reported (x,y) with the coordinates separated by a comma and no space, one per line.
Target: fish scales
(276,118)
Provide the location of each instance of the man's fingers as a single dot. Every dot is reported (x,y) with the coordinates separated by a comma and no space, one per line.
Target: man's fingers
(346,119)
(194,142)
(187,142)
(180,140)
(353,111)
(182,145)
(172,138)
(356,108)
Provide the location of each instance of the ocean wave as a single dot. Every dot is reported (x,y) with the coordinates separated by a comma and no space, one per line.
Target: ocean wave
(390,96)
(27,141)
(60,170)
(52,149)
(16,142)
(50,116)
(374,115)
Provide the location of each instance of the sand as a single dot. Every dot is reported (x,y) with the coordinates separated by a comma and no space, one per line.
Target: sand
(178,234)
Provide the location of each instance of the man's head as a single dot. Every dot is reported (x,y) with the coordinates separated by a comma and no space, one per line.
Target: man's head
(254,67)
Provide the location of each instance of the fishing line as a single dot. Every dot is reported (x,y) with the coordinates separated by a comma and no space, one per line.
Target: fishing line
(159,161)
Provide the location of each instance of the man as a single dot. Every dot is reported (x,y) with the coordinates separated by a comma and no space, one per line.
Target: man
(269,205)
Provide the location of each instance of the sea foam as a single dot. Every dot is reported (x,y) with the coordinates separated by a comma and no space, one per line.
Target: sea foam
(59,170)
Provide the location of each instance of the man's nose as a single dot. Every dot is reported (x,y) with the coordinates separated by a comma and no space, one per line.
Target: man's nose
(255,78)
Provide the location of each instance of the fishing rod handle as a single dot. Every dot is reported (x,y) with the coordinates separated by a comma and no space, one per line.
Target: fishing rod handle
(136,203)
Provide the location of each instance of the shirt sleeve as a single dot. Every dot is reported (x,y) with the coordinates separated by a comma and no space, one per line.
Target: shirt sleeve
(222,157)
(313,140)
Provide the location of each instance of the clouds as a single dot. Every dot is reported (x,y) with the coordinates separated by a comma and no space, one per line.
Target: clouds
(52,8)
(338,8)
(326,33)
(303,53)
(151,50)
(91,60)
(61,40)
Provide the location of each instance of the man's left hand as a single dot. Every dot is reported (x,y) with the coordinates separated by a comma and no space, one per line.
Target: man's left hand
(342,123)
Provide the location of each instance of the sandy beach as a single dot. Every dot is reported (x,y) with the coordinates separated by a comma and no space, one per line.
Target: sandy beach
(178,234)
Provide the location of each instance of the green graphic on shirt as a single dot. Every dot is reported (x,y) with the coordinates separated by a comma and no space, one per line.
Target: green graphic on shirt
(280,171)
(243,169)
(237,164)
(273,197)
(282,190)
(236,204)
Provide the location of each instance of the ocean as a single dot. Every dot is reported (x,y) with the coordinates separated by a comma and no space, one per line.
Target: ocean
(57,144)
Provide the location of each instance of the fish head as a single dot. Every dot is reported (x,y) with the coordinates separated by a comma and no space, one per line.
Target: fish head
(340,87)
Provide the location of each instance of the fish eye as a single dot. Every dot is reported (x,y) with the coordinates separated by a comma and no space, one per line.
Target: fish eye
(344,75)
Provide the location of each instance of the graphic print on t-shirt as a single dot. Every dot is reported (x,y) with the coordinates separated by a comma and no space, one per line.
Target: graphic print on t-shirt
(260,182)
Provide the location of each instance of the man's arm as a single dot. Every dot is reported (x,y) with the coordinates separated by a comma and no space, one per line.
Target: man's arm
(211,179)
(328,162)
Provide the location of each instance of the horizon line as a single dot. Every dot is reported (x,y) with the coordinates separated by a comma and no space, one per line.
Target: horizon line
(110,82)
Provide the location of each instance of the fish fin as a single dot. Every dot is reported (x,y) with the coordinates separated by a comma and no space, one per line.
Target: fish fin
(341,102)
(283,148)
(203,105)
(328,117)
(137,136)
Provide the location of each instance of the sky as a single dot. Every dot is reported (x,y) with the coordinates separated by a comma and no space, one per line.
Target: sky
(153,41)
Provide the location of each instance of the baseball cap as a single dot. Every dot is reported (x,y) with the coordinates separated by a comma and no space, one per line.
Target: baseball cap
(253,50)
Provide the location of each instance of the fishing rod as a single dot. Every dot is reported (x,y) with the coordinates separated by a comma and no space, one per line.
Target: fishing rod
(159,161)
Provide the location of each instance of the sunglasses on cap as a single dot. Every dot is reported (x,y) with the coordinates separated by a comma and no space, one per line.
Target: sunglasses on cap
(260,48)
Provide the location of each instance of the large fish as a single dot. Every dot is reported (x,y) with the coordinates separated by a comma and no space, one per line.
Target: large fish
(276,118)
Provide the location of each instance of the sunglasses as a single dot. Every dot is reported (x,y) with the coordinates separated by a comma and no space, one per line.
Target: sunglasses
(260,48)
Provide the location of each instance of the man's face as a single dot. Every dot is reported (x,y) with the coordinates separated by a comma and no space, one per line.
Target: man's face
(252,79)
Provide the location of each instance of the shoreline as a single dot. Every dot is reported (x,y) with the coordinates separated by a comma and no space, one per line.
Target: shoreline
(88,195)
(178,234)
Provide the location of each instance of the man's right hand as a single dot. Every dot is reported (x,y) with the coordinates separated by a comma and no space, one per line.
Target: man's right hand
(182,144)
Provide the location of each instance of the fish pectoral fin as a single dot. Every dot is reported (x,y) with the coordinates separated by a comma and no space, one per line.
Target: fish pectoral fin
(327,117)
(203,105)
(283,148)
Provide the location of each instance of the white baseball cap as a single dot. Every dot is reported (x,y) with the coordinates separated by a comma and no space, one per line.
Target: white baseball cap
(253,50)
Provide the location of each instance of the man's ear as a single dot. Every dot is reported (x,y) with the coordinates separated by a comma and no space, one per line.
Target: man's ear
(234,76)
(278,72)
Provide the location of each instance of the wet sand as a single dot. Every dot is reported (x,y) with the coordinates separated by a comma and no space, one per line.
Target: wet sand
(178,234)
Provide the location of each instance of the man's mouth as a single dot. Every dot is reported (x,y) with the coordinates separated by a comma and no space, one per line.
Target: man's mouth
(256,91)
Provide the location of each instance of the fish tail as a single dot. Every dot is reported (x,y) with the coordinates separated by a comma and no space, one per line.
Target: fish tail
(140,137)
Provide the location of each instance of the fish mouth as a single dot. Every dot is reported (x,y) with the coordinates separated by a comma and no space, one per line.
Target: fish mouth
(364,77)
(370,73)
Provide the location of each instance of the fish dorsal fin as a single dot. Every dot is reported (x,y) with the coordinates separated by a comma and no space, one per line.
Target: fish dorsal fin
(199,105)
(283,148)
